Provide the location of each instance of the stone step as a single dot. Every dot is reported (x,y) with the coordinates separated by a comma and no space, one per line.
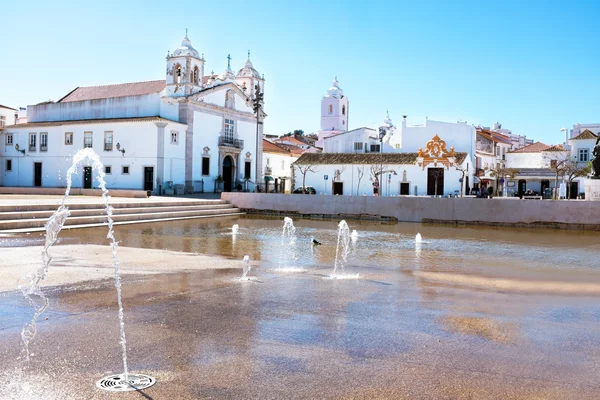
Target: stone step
(115,205)
(99,211)
(31,224)
(103,224)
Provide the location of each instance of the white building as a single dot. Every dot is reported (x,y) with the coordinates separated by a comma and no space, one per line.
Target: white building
(517,141)
(535,164)
(8,116)
(187,129)
(490,155)
(334,113)
(578,129)
(278,161)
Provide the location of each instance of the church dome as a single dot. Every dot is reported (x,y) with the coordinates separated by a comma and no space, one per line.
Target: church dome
(334,90)
(248,71)
(185,49)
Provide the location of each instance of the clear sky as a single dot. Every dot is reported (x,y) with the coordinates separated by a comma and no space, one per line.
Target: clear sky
(532,65)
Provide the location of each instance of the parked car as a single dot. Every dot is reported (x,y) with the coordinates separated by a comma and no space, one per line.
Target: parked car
(305,190)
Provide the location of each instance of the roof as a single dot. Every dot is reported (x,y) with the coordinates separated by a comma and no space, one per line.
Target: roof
(90,121)
(557,147)
(364,158)
(8,108)
(587,134)
(269,147)
(291,139)
(494,136)
(118,90)
(537,147)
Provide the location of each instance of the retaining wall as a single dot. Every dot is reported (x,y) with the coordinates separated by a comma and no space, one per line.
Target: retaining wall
(472,211)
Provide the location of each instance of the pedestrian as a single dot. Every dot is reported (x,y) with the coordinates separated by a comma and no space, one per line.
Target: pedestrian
(375,187)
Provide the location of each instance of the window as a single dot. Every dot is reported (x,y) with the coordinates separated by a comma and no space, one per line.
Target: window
(195,74)
(87,140)
(358,146)
(2,121)
(268,161)
(9,139)
(125,170)
(330,109)
(344,110)
(229,128)
(177,73)
(68,138)
(374,148)
(108,141)
(583,155)
(205,166)
(107,169)
(174,137)
(397,146)
(32,141)
(552,163)
(8,165)
(44,141)
(248,170)
(282,164)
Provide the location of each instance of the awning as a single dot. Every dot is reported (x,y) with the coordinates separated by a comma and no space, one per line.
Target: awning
(269,178)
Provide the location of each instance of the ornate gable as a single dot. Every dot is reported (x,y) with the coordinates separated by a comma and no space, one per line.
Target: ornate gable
(435,153)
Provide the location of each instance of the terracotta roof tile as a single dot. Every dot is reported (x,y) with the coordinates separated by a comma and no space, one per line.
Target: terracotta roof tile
(118,90)
(364,158)
(269,147)
(532,148)
(90,121)
(587,134)
(556,147)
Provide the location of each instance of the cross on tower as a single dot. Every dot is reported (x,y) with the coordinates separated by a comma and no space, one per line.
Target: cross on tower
(228,61)
(248,54)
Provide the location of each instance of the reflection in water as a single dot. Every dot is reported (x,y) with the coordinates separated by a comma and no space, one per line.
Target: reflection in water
(486,328)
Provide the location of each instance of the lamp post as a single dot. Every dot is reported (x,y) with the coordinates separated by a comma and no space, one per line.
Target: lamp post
(257,105)
(381,136)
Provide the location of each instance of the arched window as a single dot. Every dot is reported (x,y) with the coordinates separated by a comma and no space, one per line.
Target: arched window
(195,75)
(330,109)
(344,110)
(177,73)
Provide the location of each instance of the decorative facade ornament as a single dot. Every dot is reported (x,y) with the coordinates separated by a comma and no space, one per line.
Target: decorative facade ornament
(436,153)
(248,155)
(404,176)
(206,151)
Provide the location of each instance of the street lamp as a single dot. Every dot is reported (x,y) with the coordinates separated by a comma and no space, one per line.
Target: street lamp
(257,105)
(122,150)
(382,132)
(22,151)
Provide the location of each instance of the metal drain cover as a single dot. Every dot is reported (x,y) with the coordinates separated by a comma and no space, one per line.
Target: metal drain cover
(117,383)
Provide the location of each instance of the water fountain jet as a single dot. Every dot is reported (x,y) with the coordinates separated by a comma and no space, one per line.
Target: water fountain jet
(342,251)
(55,223)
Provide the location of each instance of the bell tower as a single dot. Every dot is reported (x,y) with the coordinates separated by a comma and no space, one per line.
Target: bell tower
(185,69)
(334,112)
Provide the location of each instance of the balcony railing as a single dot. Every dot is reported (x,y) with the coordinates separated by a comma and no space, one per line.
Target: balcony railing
(268,171)
(229,142)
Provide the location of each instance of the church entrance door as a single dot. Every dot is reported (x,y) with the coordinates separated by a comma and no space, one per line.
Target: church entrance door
(87,177)
(227,174)
(435,181)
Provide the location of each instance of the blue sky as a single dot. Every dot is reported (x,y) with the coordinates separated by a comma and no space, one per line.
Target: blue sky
(532,65)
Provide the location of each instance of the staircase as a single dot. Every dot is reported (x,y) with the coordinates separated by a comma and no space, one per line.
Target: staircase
(32,218)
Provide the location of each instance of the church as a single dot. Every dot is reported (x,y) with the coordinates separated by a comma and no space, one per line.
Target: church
(429,159)
(191,131)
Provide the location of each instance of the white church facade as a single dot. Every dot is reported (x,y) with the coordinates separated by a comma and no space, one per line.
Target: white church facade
(189,130)
(433,158)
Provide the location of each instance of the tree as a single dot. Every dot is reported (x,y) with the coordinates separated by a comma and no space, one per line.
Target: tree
(360,172)
(304,169)
(572,169)
(502,172)
(436,174)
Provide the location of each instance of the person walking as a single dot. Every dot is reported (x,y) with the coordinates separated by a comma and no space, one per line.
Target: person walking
(375,187)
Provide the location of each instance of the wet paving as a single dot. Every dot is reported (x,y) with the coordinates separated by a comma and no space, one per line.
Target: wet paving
(390,334)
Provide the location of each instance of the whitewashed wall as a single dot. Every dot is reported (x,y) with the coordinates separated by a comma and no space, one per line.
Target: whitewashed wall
(114,107)
(280,164)
(415,175)
(344,143)
(9,116)
(460,135)
(139,139)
